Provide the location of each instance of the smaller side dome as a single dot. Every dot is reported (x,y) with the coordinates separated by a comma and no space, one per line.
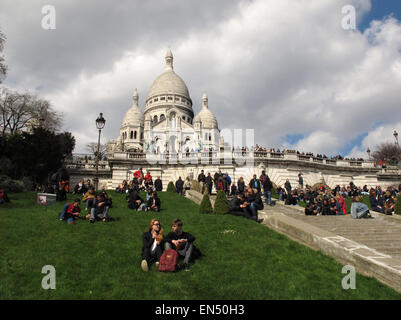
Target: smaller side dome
(205,116)
(134,116)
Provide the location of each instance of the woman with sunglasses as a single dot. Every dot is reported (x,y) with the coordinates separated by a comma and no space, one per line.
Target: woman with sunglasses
(153,244)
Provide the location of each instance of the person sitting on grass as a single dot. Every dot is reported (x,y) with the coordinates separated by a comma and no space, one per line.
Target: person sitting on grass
(374,202)
(325,207)
(251,204)
(88,198)
(134,200)
(335,209)
(359,210)
(236,207)
(180,241)
(153,203)
(152,244)
(99,210)
(311,208)
(71,212)
(389,205)
(3,197)
(343,205)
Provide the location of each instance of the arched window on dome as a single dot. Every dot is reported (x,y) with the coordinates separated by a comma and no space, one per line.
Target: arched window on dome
(141,135)
(135,135)
(172,122)
(183,118)
(131,134)
(155,119)
(162,117)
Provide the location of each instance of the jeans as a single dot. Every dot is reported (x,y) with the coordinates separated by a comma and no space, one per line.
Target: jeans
(268,195)
(64,212)
(254,209)
(89,203)
(103,215)
(186,252)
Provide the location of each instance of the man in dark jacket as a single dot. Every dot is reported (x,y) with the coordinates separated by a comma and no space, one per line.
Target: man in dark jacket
(236,207)
(253,203)
(267,187)
(202,181)
(216,177)
(287,186)
(300,181)
(255,183)
(158,184)
(99,210)
(134,200)
(180,241)
(179,186)
(209,183)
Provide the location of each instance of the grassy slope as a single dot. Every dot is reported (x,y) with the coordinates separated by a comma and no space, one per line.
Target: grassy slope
(102,261)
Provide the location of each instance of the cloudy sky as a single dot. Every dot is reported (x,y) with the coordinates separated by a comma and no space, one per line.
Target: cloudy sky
(286,68)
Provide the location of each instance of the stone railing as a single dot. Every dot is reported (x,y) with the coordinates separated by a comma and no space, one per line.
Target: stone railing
(217,157)
(90,165)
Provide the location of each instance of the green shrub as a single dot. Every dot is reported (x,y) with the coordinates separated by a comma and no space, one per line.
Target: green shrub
(221,203)
(11,186)
(398,205)
(170,187)
(205,205)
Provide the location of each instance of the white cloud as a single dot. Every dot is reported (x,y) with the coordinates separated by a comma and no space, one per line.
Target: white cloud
(281,67)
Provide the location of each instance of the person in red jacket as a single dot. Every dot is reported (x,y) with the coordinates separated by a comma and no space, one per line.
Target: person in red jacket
(71,211)
(342,203)
(3,197)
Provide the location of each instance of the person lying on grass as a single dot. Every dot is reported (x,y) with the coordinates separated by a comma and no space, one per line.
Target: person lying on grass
(71,212)
(152,244)
(180,241)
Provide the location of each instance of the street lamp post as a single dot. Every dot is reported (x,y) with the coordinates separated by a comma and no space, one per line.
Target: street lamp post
(368,152)
(395,134)
(100,122)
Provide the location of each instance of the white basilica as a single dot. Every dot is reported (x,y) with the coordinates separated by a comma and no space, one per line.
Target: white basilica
(167,123)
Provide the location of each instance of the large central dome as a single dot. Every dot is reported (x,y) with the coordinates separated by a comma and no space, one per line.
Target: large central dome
(169,82)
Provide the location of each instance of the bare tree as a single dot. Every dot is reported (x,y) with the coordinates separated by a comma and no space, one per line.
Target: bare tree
(92,148)
(388,152)
(3,67)
(20,111)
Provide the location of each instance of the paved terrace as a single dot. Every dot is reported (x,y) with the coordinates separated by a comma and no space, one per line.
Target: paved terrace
(372,246)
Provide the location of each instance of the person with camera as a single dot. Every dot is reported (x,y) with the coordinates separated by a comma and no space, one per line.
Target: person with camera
(152,244)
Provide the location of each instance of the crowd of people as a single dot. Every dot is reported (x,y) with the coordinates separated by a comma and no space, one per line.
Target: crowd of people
(324,201)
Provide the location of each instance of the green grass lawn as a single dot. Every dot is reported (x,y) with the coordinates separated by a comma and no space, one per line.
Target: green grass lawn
(242,259)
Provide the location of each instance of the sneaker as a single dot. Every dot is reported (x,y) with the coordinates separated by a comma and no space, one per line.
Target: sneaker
(186,267)
(92,221)
(144,265)
(157,263)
